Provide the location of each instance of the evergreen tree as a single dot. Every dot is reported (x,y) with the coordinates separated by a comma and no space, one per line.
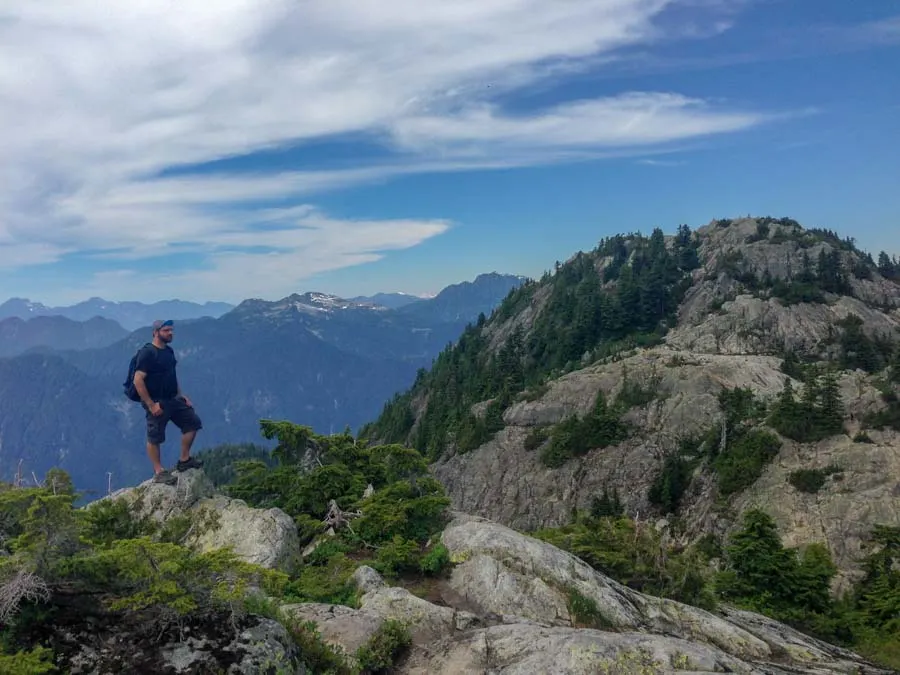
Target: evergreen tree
(886,266)
(760,571)
(831,410)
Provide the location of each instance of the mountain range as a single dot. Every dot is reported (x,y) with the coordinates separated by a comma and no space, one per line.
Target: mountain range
(130,315)
(315,358)
(47,333)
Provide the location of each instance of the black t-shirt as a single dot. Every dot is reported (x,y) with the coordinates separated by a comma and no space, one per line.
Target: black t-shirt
(159,364)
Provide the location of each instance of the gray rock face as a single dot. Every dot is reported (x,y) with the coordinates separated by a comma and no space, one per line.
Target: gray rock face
(427,621)
(266,537)
(525,650)
(750,325)
(503,481)
(524,558)
(508,614)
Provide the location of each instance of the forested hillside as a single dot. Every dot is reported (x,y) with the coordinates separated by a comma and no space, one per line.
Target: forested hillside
(750,367)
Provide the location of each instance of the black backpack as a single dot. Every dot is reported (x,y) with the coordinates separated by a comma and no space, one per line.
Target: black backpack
(128,384)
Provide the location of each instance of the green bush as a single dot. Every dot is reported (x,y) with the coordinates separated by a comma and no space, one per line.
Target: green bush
(319,656)
(384,648)
(397,556)
(576,436)
(670,483)
(31,662)
(436,561)
(818,415)
(325,580)
(584,612)
(536,438)
(811,480)
(743,461)
(634,555)
(111,519)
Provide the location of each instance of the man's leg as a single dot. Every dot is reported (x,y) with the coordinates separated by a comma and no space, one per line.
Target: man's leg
(153,454)
(156,436)
(187,440)
(186,419)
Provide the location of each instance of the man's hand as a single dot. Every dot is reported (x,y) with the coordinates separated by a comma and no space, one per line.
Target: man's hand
(187,401)
(156,409)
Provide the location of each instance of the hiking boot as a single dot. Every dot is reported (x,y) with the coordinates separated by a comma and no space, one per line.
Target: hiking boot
(165,477)
(190,463)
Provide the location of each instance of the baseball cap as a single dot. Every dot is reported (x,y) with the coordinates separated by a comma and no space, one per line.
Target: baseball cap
(159,323)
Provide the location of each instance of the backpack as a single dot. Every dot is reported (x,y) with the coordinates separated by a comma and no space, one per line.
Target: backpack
(128,385)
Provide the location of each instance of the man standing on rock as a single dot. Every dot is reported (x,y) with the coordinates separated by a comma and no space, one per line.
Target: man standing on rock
(157,385)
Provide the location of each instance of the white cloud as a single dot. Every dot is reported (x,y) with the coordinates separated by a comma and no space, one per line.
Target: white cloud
(297,243)
(98,98)
(630,120)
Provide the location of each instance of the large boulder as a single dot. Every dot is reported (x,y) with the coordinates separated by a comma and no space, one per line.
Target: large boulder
(497,565)
(266,537)
(508,613)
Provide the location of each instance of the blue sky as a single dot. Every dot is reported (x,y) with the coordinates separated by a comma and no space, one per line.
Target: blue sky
(220,151)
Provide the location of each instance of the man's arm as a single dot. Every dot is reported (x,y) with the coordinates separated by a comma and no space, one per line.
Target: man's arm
(141,387)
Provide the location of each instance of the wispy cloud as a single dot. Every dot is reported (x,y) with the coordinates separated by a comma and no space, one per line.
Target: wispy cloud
(97,99)
(661,162)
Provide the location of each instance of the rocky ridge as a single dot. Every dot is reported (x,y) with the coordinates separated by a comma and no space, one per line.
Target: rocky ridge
(731,330)
(510,604)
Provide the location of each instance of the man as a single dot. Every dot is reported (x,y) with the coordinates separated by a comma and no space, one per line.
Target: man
(157,385)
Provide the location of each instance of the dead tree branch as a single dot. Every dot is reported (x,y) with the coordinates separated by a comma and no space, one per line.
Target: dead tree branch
(22,586)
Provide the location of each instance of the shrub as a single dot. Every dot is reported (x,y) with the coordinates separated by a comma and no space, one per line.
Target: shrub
(743,461)
(811,480)
(397,556)
(576,436)
(536,438)
(27,662)
(436,561)
(670,483)
(319,656)
(584,611)
(111,519)
(383,649)
(328,580)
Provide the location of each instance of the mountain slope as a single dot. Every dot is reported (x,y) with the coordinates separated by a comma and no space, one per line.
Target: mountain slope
(655,368)
(463,301)
(55,415)
(56,333)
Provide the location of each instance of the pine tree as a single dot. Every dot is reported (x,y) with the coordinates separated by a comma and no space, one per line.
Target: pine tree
(831,411)
(886,266)
(762,572)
